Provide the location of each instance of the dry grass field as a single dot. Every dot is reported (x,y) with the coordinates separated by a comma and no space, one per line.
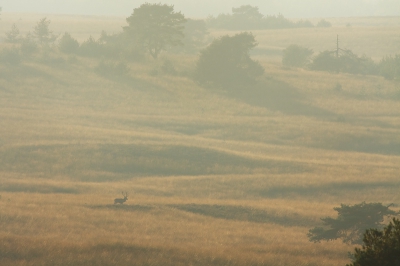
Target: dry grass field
(213,177)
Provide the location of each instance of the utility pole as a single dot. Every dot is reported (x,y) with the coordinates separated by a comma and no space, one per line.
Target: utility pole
(337,46)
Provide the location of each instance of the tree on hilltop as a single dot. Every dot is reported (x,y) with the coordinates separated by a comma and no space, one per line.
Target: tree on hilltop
(155,27)
(226,62)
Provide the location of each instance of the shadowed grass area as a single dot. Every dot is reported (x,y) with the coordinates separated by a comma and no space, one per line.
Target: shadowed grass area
(127,161)
(242,213)
(279,96)
(38,188)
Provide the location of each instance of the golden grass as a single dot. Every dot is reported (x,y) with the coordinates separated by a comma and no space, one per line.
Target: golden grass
(214,178)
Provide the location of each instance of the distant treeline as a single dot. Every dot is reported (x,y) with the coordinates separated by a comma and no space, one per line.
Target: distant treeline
(154,28)
(248,17)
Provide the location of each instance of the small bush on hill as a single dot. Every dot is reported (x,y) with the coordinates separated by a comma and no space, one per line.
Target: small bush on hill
(296,56)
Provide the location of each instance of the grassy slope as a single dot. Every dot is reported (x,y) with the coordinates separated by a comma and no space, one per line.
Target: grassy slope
(216,178)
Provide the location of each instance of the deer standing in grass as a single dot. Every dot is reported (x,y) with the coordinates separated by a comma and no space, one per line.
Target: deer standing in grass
(121,201)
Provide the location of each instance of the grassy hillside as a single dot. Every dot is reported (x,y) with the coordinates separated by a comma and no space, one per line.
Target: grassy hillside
(213,177)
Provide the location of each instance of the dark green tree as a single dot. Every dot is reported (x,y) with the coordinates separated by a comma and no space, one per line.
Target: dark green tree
(156,27)
(351,223)
(68,44)
(296,56)
(379,247)
(226,62)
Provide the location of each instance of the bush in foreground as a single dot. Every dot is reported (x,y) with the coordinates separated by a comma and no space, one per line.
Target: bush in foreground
(380,247)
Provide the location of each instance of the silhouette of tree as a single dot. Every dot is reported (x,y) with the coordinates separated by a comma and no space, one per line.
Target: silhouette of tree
(351,223)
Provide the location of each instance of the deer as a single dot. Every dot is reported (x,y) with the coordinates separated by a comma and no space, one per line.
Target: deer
(121,201)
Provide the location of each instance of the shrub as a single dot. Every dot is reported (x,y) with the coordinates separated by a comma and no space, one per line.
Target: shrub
(91,48)
(296,56)
(68,44)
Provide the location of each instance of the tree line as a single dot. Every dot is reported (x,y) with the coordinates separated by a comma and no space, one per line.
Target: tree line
(247,17)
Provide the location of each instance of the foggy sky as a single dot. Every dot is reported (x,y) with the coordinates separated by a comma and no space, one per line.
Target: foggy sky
(203,8)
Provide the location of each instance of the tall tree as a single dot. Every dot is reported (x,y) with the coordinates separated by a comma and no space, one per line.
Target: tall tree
(42,32)
(156,26)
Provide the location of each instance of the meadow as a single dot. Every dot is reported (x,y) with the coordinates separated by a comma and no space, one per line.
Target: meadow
(214,177)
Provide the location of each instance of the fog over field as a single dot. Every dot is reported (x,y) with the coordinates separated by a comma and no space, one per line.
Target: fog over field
(194,8)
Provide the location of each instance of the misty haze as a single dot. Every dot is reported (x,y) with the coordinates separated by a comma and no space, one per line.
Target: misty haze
(200,132)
